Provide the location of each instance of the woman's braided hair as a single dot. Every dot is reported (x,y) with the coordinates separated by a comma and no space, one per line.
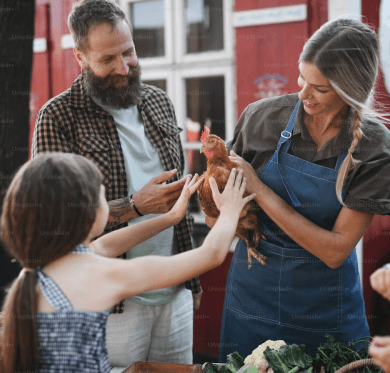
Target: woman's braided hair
(346,52)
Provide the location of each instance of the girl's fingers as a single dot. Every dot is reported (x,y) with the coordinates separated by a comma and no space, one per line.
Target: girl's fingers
(249,198)
(237,182)
(232,177)
(194,180)
(213,185)
(185,187)
(195,187)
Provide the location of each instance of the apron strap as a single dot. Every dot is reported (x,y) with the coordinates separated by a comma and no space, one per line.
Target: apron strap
(286,135)
(340,159)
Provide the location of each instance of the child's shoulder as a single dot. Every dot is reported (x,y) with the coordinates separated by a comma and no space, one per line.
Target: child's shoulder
(83,279)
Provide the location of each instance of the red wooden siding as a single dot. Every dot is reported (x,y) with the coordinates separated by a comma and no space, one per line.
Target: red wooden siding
(40,82)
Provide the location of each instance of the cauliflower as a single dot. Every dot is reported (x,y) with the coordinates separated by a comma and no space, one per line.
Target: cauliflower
(258,359)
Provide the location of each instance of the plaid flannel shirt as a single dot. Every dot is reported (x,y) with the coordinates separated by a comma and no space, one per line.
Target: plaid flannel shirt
(72,123)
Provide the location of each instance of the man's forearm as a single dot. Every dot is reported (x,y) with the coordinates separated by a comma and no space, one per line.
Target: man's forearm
(120,211)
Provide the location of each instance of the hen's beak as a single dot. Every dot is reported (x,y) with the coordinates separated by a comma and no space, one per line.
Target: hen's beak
(203,148)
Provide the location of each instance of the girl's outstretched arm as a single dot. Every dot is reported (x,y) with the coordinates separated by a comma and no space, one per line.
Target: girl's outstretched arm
(116,243)
(139,275)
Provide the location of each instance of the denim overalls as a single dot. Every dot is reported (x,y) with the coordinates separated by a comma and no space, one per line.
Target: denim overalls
(296,297)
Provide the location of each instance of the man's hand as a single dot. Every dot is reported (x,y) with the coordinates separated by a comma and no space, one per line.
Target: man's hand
(156,198)
(196,299)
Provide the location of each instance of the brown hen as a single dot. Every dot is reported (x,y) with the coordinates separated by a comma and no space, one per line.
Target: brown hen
(248,228)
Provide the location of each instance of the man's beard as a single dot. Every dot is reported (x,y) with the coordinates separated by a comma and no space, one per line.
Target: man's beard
(122,97)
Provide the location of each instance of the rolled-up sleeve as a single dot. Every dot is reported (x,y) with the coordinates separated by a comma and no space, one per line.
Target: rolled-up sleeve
(369,186)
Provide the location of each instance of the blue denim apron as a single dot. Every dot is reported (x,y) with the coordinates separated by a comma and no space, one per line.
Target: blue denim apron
(296,297)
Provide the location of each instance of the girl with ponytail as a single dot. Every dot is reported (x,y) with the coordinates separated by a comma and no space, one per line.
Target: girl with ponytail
(319,163)
(54,316)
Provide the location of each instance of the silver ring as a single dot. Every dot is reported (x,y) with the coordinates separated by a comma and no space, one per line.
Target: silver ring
(286,137)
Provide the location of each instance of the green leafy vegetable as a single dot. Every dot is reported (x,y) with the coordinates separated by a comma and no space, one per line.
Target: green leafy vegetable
(225,369)
(334,355)
(293,355)
(289,359)
(235,362)
(274,362)
(210,368)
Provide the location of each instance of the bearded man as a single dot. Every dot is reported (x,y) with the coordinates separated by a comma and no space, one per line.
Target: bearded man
(129,130)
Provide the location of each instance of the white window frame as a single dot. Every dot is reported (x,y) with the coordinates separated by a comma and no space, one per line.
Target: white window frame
(176,66)
(168,33)
(159,74)
(180,102)
(180,40)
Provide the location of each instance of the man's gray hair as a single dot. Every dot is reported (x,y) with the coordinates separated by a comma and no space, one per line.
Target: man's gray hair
(86,14)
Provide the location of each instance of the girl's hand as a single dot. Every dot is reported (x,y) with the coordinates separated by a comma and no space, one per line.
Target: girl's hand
(179,209)
(380,281)
(253,180)
(380,350)
(231,199)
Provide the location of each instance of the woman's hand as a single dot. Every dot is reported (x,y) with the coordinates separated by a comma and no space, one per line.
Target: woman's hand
(253,180)
(380,281)
(179,209)
(380,350)
(231,198)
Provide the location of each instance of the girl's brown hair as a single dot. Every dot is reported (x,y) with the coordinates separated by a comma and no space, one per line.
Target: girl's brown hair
(346,52)
(49,208)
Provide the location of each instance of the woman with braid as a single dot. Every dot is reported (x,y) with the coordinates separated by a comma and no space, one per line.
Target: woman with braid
(319,163)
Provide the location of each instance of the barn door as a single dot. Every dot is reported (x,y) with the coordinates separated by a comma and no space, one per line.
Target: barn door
(268,44)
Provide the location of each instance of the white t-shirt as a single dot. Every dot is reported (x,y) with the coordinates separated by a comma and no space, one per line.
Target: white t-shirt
(142,163)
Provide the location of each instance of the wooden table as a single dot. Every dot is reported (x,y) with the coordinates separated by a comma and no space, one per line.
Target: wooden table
(147,367)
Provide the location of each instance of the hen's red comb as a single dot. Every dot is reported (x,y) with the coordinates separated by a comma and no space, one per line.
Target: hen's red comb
(205,134)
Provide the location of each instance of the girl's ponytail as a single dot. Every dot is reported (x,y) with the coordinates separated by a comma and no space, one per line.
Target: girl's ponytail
(18,336)
(54,192)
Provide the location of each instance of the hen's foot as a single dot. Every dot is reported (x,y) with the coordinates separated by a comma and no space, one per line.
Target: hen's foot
(253,253)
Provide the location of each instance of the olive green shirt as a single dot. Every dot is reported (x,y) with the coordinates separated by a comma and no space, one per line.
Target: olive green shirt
(368,184)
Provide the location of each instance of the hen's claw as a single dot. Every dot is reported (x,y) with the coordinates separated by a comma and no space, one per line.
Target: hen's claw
(254,253)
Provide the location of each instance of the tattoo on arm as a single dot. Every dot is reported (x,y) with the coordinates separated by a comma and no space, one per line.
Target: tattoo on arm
(119,209)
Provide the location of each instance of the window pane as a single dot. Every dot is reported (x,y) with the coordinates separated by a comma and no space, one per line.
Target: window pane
(161,83)
(204,25)
(205,106)
(147,19)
